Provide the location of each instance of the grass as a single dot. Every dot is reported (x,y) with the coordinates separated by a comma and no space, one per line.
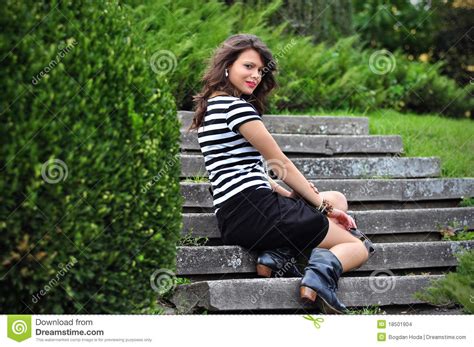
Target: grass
(467,202)
(197,179)
(190,240)
(368,310)
(455,287)
(454,231)
(452,140)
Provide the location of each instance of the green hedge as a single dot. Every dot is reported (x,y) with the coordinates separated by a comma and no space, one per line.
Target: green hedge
(90,205)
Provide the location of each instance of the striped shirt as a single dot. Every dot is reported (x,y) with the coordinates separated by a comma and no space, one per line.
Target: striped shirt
(232,163)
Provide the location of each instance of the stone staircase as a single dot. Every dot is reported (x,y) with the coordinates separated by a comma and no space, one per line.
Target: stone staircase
(399,202)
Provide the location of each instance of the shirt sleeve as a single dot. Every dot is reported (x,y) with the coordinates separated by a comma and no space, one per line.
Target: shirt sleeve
(240,112)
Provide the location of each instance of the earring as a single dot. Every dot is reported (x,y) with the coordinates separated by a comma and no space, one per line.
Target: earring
(226,73)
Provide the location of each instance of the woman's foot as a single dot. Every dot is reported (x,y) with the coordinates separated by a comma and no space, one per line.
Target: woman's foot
(319,284)
(280,262)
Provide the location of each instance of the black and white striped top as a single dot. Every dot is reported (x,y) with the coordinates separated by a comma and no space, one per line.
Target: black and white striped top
(232,163)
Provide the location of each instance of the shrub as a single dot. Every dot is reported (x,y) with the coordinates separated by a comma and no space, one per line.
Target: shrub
(456,287)
(89,198)
(319,77)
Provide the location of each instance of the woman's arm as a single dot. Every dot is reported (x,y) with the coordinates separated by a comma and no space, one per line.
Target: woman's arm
(282,191)
(277,188)
(255,132)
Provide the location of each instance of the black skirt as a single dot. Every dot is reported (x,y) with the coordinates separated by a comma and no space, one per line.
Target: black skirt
(260,219)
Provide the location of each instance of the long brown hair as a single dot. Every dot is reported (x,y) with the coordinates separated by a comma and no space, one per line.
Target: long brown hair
(214,78)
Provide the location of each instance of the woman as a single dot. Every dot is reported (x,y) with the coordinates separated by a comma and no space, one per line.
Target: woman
(252,210)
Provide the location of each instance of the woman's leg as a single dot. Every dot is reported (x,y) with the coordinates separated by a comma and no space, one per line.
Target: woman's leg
(350,251)
(337,199)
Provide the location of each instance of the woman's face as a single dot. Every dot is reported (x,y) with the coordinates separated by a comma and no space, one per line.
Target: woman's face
(246,72)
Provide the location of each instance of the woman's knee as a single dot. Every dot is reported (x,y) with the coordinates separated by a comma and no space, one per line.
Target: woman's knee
(336,235)
(337,199)
(342,201)
(364,252)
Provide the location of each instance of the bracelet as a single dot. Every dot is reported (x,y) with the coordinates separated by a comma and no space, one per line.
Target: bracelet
(326,207)
(322,201)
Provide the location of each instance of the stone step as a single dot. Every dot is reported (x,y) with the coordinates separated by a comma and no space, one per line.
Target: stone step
(321,144)
(310,125)
(312,168)
(263,294)
(361,190)
(378,222)
(198,260)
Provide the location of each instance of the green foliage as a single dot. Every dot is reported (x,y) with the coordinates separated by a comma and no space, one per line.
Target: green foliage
(368,310)
(466,202)
(341,76)
(323,20)
(456,287)
(433,29)
(189,29)
(190,240)
(321,77)
(397,23)
(98,107)
(452,45)
(197,179)
(453,232)
(176,282)
(462,235)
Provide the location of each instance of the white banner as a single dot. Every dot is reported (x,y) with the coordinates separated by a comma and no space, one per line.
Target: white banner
(234,330)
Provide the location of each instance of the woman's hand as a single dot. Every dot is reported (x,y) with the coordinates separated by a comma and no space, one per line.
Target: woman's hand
(294,195)
(343,219)
(339,216)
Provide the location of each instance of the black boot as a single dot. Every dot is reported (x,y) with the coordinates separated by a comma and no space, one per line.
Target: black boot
(280,262)
(320,281)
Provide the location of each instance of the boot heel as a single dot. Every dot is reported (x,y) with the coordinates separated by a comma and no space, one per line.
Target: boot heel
(308,294)
(264,271)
